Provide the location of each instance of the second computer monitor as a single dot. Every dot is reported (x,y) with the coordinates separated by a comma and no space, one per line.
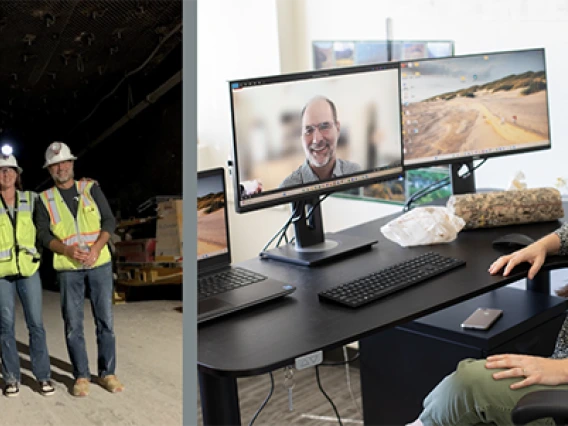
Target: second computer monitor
(474,106)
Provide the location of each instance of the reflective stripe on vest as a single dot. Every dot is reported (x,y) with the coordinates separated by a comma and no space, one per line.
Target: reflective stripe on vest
(82,187)
(52,207)
(18,254)
(27,205)
(5,254)
(22,207)
(89,238)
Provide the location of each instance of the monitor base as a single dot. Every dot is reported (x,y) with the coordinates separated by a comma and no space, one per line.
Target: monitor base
(336,245)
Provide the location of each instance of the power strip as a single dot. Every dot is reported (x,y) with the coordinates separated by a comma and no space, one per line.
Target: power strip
(309,360)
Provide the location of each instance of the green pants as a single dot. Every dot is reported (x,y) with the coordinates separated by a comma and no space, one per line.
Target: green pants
(471,396)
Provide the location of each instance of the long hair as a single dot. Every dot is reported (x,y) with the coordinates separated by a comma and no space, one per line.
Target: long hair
(18,183)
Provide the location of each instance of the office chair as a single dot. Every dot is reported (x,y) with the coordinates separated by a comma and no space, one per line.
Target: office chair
(540,404)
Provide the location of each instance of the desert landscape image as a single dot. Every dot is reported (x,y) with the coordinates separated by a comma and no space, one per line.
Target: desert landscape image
(211,236)
(508,111)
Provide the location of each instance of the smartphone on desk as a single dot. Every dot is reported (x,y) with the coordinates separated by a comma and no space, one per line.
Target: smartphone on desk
(482,319)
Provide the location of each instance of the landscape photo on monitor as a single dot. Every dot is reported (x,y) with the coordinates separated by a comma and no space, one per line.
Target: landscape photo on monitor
(476,105)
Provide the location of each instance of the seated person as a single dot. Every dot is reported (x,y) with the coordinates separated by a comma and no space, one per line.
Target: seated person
(486,391)
(320,132)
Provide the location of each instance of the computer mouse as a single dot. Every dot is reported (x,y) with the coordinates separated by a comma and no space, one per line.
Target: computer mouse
(512,242)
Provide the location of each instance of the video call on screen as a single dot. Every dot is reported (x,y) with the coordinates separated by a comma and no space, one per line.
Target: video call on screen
(268,127)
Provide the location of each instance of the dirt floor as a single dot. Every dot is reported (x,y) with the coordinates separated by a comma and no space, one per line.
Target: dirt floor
(149,363)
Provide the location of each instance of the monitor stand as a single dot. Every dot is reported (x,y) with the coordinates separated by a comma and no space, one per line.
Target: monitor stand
(311,246)
(462,185)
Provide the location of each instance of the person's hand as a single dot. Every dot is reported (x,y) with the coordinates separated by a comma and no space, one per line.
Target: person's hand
(535,254)
(533,369)
(92,257)
(89,180)
(258,188)
(252,187)
(75,253)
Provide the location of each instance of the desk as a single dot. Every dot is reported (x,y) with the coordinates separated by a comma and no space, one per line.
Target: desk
(271,336)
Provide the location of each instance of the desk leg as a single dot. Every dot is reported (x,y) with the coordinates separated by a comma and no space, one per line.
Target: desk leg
(219,400)
(540,283)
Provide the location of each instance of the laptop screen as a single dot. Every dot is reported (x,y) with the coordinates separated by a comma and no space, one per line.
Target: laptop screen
(212,239)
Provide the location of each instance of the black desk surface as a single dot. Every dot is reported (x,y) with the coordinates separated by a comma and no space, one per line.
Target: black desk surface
(271,336)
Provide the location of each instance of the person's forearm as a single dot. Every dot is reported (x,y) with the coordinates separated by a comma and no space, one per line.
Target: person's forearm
(57,246)
(551,242)
(104,236)
(563,370)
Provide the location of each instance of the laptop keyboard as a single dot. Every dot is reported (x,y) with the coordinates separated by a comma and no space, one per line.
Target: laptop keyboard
(394,278)
(227,280)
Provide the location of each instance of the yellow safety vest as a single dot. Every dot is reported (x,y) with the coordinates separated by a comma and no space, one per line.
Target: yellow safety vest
(18,253)
(83,231)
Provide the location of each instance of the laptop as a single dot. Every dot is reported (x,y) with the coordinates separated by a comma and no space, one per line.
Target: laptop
(222,287)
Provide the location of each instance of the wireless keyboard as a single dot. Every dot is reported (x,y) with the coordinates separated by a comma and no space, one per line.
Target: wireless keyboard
(378,284)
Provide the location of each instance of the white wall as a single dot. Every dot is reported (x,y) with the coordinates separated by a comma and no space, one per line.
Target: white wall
(235,39)
(292,33)
(247,38)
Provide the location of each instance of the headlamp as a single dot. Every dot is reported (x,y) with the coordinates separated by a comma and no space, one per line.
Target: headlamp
(6,150)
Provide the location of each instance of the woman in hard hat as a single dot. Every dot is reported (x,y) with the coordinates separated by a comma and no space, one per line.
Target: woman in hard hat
(19,264)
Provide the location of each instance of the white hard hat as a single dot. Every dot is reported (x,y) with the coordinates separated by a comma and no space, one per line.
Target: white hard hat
(9,161)
(56,153)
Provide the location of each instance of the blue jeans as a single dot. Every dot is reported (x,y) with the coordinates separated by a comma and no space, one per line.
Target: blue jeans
(100,283)
(30,293)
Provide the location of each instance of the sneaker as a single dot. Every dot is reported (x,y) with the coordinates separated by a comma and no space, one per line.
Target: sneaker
(81,387)
(12,389)
(112,384)
(46,388)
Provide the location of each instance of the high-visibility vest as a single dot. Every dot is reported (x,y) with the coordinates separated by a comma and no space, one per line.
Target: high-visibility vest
(82,231)
(18,253)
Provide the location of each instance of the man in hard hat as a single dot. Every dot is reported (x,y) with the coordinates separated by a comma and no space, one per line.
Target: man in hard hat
(75,222)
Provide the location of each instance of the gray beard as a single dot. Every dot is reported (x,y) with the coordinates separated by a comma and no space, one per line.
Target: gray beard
(60,181)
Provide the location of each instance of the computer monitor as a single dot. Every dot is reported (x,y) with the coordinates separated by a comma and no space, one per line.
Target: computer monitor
(467,107)
(299,136)
(330,54)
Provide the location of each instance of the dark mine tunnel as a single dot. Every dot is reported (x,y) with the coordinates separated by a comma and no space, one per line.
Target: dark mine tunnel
(104,77)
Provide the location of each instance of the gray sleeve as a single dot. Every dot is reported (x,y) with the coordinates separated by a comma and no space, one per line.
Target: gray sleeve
(562,233)
(108,221)
(41,220)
